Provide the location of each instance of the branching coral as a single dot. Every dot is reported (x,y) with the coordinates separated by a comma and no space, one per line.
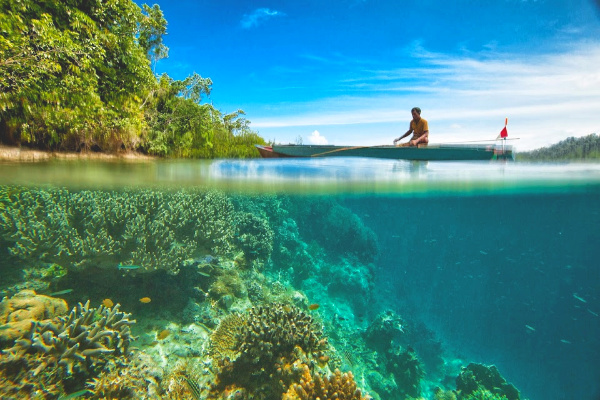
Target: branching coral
(254,236)
(78,340)
(151,229)
(74,346)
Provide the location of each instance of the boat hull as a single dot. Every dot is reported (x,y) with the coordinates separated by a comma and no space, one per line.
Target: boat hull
(422,153)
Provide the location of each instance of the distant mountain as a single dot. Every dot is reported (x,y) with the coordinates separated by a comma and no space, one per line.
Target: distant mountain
(583,148)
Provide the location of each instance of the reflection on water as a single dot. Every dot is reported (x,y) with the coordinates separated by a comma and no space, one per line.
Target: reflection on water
(308,175)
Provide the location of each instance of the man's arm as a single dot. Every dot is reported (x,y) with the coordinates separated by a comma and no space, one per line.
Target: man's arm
(408,132)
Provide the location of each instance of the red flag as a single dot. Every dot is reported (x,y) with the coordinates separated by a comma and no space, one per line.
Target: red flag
(503,133)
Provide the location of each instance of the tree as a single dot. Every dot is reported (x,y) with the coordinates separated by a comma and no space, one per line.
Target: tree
(153,26)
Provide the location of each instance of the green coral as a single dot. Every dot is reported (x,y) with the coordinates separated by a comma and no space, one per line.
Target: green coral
(153,229)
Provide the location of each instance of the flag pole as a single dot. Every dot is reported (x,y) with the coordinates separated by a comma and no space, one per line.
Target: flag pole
(504,138)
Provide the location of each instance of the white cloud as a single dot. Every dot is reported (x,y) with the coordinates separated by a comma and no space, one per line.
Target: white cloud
(258,16)
(546,98)
(316,138)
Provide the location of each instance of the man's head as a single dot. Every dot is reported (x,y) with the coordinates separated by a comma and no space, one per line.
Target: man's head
(416,113)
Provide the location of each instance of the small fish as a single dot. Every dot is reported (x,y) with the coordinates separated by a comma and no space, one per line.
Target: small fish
(483,252)
(145,300)
(194,387)
(66,291)
(341,318)
(565,341)
(348,356)
(579,298)
(74,395)
(127,267)
(313,307)
(204,274)
(593,313)
(163,334)
(108,303)
(531,328)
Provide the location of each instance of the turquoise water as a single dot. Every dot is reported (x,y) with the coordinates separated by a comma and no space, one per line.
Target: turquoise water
(491,263)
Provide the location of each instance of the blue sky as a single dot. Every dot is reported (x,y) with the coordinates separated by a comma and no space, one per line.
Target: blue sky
(348,72)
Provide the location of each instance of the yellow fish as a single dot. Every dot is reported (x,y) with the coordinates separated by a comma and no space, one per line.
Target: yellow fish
(145,300)
(313,307)
(108,303)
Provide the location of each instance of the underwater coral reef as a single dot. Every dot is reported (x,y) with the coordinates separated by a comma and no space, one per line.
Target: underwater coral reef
(227,297)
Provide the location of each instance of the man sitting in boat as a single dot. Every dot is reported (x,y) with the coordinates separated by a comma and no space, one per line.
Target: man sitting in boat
(419,129)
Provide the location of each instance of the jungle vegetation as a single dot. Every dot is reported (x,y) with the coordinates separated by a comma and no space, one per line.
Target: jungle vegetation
(583,148)
(78,75)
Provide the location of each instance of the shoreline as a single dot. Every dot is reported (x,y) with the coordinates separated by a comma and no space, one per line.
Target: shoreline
(21,154)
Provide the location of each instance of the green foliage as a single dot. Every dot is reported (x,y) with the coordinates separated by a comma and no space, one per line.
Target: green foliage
(76,75)
(584,148)
(72,74)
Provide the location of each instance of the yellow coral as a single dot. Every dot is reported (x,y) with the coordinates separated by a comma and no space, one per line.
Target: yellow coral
(18,312)
(224,341)
(339,386)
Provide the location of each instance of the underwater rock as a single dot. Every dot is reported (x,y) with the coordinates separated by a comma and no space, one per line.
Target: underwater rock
(350,280)
(19,312)
(407,370)
(476,377)
(385,328)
